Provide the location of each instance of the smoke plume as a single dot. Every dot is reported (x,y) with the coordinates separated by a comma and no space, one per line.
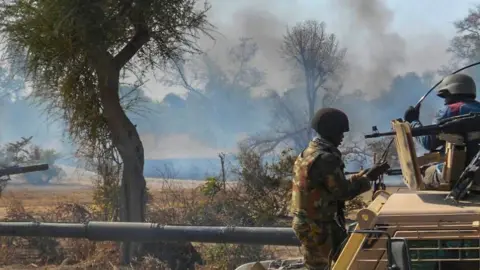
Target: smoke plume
(380,52)
(376,55)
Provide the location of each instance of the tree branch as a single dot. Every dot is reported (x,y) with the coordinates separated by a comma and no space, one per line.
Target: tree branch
(140,38)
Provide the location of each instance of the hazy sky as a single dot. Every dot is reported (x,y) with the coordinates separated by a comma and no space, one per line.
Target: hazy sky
(384,39)
(424,26)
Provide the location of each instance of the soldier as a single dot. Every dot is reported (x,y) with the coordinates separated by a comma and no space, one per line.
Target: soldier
(319,190)
(459,92)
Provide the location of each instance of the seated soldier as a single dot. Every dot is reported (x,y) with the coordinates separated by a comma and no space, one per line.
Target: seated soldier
(459,92)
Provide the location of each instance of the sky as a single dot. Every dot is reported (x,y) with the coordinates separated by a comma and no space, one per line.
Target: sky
(383,38)
(425,27)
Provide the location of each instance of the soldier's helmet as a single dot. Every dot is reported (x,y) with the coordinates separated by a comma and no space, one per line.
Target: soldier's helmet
(457,84)
(330,122)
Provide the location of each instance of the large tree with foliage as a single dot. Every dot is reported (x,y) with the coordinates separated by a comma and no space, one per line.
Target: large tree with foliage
(76,54)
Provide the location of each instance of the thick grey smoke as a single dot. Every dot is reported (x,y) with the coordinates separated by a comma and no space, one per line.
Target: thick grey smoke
(376,51)
(376,54)
(382,53)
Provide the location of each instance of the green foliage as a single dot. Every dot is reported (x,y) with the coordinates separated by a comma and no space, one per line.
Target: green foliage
(211,187)
(106,196)
(73,52)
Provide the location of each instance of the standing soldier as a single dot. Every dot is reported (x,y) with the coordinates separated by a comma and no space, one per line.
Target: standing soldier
(320,189)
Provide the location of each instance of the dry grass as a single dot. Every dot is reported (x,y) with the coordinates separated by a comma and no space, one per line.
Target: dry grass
(173,202)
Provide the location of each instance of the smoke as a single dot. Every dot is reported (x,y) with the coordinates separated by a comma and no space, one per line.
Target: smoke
(382,53)
(377,54)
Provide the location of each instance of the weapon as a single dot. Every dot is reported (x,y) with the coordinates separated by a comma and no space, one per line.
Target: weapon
(388,172)
(462,124)
(462,186)
(152,232)
(419,103)
(22,169)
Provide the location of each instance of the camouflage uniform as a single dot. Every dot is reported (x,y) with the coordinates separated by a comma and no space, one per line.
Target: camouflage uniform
(319,190)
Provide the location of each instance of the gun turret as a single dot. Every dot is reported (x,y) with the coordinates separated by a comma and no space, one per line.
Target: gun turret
(23,169)
(462,124)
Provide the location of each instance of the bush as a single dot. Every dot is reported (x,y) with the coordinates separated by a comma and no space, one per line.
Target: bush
(259,197)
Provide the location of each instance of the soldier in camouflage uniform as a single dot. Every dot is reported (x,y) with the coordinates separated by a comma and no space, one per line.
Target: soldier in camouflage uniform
(319,190)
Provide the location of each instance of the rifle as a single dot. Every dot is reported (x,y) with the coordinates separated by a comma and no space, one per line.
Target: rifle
(22,169)
(388,172)
(462,124)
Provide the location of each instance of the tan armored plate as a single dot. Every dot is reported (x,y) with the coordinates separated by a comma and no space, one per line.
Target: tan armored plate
(407,156)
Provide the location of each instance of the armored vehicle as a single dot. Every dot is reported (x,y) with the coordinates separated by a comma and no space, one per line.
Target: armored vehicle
(416,228)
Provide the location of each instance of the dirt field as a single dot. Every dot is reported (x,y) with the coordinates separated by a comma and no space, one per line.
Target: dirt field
(39,199)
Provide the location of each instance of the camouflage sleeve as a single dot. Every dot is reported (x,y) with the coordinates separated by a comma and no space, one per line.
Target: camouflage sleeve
(326,171)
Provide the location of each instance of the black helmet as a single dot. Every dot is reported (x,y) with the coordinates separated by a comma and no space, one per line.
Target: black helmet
(457,84)
(329,122)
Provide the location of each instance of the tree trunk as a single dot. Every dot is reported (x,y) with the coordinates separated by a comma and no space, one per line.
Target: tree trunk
(127,141)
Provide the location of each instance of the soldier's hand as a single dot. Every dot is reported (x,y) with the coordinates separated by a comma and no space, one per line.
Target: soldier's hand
(377,170)
(412,114)
(358,175)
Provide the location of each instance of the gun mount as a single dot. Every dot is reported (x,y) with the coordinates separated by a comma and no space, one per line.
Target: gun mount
(462,124)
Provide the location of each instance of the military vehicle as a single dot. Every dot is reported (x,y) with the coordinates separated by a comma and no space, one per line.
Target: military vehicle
(416,228)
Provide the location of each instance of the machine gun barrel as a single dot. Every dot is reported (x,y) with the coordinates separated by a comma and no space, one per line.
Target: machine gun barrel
(153,232)
(389,172)
(461,124)
(23,169)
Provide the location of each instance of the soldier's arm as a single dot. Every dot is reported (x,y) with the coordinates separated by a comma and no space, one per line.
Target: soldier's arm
(430,142)
(326,171)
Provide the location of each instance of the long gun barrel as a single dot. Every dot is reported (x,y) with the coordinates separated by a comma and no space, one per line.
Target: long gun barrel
(23,169)
(461,124)
(153,232)
(388,172)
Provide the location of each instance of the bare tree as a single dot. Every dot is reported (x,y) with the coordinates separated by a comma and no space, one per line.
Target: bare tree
(466,44)
(317,61)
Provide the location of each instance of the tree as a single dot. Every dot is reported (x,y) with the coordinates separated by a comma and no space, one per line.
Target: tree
(76,53)
(466,44)
(317,61)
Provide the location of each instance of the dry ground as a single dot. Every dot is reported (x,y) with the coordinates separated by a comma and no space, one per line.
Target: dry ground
(40,199)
